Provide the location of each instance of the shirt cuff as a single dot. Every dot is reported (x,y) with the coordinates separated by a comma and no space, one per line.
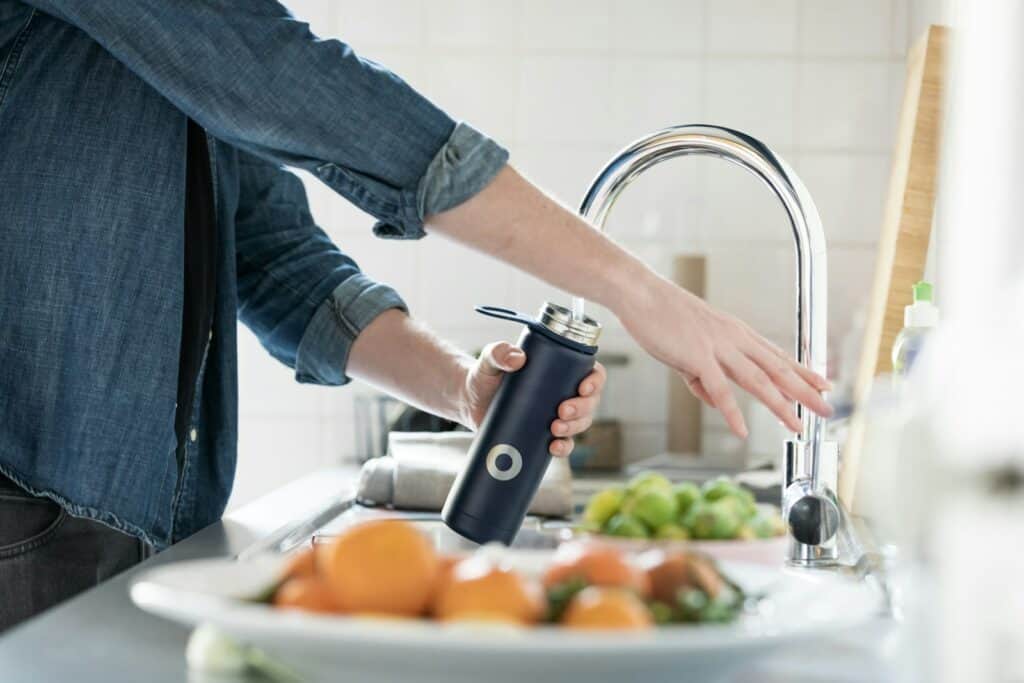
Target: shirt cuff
(323,351)
(465,164)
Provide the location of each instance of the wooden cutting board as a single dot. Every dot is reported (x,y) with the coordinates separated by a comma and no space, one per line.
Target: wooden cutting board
(906,228)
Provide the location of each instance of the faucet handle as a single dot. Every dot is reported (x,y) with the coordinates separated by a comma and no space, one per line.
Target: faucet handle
(813,519)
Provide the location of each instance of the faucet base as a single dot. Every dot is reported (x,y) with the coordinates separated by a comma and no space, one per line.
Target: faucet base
(814,556)
(810,507)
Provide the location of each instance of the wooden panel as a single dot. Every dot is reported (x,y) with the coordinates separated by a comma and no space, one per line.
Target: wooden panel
(684,409)
(906,226)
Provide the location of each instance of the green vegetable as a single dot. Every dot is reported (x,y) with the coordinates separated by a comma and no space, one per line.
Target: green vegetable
(626,525)
(648,479)
(717,520)
(589,527)
(721,487)
(767,522)
(672,532)
(747,533)
(603,504)
(212,653)
(723,608)
(661,612)
(726,489)
(691,603)
(687,493)
(652,505)
(560,595)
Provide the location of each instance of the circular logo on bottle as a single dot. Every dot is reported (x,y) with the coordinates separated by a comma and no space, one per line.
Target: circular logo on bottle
(504,462)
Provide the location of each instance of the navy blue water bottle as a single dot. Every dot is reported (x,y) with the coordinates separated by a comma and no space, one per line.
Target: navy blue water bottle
(509,456)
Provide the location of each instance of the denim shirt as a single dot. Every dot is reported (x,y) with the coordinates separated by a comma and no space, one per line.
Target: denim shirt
(94,99)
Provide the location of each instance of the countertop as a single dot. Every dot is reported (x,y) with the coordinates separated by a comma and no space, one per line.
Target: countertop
(101,636)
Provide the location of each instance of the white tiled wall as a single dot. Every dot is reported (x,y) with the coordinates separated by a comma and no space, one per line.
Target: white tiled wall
(564,84)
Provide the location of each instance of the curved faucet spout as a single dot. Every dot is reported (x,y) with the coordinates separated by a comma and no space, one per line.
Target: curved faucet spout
(805,458)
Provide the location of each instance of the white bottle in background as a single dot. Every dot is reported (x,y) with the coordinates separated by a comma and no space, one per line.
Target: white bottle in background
(919,319)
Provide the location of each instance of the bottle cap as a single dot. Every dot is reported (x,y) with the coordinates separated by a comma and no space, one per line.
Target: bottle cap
(921,313)
(560,320)
(922,291)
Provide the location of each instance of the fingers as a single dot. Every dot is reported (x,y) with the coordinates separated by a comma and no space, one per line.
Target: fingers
(808,375)
(571,427)
(578,407)
(755,380)
(717,388)
(594,382)
(794,385)
(500,357)
(561,447)
(697,389)
(586,403)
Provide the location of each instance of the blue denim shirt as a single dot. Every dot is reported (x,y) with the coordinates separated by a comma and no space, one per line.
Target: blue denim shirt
(94,99)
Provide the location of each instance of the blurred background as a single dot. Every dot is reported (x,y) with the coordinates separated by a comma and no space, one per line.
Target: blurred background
(564,84)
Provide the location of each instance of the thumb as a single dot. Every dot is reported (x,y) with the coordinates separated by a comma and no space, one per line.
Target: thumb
(501,357)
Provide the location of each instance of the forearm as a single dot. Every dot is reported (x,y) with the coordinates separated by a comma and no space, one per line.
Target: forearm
(513,220)
(403,358)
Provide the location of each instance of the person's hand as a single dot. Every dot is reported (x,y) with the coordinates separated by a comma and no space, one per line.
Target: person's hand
(484,376)
(709,347)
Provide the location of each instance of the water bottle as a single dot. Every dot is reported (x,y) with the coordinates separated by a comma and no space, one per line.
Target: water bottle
(509,456)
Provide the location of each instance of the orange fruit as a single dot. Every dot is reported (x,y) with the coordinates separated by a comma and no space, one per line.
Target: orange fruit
(445,566)
(302,563)
(597,608)
(380,566)
(597,564)
(309,593)
(479,589)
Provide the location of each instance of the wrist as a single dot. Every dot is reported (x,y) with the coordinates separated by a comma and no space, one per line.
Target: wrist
(456,393)
(629,285)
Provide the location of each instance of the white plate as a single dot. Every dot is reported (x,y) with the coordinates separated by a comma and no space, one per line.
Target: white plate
(800,606)
(764,551)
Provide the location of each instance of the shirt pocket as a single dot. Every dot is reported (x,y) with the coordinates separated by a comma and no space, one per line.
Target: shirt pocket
(15,28)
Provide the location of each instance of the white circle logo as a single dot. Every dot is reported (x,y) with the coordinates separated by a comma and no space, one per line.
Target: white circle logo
(511,471)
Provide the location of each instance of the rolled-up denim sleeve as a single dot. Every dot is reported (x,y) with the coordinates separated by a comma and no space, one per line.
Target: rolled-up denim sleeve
(325,345)
(257,78)
(304,299)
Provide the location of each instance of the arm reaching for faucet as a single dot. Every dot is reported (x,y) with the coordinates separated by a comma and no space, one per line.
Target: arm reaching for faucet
(514,221)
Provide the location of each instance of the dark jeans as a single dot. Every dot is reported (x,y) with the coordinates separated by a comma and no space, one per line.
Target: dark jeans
(47,556)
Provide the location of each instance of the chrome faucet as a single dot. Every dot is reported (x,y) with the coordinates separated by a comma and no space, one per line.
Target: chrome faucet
(809,501)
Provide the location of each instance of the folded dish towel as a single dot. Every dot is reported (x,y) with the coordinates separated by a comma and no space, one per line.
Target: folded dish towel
(420,467)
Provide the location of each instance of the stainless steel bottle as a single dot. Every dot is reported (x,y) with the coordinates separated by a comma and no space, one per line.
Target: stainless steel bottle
(509,456)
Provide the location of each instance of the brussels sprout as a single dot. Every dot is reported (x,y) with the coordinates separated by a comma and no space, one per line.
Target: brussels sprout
(622,524)
(722,488)
(719,488)
(747,533)
(603,504)
(648,479)
(671,532)
(653,506)
(588,527)
(717,520)
(768,522)
(687,493)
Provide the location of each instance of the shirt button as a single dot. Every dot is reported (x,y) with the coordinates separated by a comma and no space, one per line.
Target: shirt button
(193,434)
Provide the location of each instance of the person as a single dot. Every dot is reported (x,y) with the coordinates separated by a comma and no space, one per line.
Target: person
(147,205)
